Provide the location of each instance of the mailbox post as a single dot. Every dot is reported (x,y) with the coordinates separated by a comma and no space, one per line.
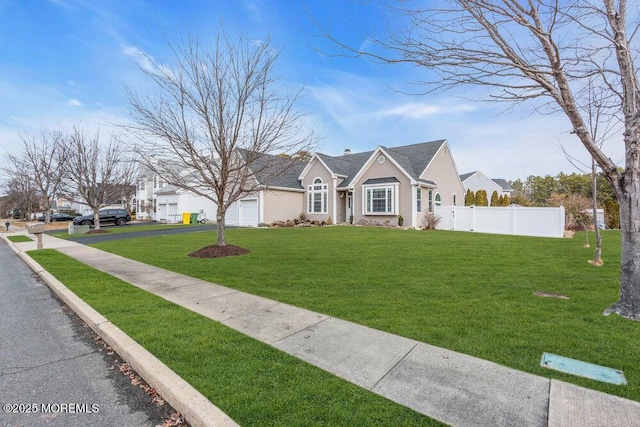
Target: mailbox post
(37,230)
(7,224)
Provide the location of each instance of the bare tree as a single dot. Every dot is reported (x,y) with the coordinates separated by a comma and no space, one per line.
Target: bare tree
(544,52)
(602,127)
(22,194)
(96,174)
(42,159)
(216,114)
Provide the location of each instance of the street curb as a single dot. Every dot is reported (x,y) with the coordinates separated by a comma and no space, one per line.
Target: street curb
(195,407)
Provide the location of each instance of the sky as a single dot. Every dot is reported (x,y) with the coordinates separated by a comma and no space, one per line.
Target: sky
(67,62)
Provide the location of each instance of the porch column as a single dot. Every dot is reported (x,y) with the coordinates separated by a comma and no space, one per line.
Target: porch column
(414,202)
(334,208)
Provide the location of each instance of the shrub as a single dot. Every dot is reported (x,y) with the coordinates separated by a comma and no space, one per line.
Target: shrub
(329,221)
(351,219)
(303,217)
(400,220)
(469,198)
(481,198)
(495,200)
(430,221)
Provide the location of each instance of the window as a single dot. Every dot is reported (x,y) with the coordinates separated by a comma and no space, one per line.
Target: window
(430,201)
(318,197)
(438,200)
(418,199)
(141,185)
(379,200)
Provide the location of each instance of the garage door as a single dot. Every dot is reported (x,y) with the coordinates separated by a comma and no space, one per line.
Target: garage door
(173,215)
(231,216)
(249,213)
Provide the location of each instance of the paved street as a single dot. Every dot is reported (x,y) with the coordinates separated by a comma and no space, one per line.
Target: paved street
(52,371)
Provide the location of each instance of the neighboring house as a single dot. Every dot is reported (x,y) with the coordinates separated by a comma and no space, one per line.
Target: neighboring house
(125,199)
(475,181)
(171,202)
(382,184)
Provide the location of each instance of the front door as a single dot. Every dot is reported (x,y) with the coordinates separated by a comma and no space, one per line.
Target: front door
(348,207)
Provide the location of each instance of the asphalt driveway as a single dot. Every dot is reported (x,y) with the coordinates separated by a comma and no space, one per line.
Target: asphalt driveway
(106,237)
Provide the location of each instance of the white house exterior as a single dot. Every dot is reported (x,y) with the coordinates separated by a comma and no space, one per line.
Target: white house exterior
(475,181)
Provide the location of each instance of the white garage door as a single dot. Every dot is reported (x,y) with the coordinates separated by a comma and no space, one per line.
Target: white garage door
(249,213)
(231,216)
(172,215)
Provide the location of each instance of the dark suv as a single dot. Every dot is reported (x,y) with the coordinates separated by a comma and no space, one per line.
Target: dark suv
(107,216)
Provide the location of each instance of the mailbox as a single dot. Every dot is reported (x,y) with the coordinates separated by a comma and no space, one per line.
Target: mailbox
(37,228)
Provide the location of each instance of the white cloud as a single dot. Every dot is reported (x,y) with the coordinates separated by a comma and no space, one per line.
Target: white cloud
(74,103)
(145,61)
(417,110)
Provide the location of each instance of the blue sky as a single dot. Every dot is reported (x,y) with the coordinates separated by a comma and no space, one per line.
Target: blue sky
(66,62)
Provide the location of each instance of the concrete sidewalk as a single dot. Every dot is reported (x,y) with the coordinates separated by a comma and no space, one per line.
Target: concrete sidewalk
(454,388)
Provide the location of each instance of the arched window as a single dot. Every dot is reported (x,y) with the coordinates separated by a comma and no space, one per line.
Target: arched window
(438,200)
(317,197)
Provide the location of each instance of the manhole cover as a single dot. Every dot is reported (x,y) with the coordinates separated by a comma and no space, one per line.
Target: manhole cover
(582,369)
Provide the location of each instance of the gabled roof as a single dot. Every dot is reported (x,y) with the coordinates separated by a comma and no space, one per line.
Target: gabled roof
(276,171)
(499,181)
(464,176)
(167,189)
(503,183)
(413,159)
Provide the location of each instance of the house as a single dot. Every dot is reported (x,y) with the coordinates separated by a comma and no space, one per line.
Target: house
(279,193)
(475,181)
(382,185)
(376,186)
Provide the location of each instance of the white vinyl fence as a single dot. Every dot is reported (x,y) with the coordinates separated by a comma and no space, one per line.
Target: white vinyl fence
(516,220)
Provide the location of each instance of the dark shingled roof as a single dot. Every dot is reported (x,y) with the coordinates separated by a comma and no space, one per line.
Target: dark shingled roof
(412,158)
(466,175)
(503,183)
(276,171)
(386,180)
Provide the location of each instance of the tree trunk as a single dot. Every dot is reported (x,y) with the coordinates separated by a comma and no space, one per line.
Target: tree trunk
(96,220)
(222,236)
(629,303)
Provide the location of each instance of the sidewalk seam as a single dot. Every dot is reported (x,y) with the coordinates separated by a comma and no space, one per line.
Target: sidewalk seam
(394,366)
(300,330)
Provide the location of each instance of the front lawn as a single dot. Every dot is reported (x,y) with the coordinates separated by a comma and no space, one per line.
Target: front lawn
(253,383)
(472,293)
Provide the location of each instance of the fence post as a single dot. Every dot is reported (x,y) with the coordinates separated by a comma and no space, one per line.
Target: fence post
(514,219)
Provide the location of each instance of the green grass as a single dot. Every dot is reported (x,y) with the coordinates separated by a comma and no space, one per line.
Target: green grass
(252,382)
(19,239)
(63,234)
(467,292)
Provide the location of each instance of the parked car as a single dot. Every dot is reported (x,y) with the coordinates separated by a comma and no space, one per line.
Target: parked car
(57,217)
(107,216)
